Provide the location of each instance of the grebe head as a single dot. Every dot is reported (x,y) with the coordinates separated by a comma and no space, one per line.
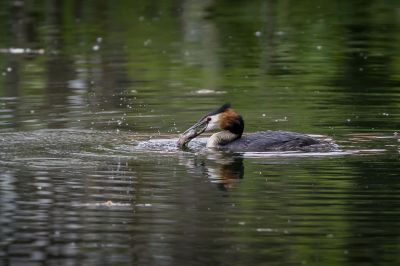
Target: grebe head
(224,118)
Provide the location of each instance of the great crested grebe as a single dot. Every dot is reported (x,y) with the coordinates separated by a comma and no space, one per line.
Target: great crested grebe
(231,138)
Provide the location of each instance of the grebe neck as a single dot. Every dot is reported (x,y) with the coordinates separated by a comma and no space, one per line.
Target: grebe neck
(221,138)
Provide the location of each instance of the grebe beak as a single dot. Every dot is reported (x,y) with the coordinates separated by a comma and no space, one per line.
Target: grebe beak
(193,132)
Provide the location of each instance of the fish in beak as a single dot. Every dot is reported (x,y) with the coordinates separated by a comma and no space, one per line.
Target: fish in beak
(208,122)
(193,132)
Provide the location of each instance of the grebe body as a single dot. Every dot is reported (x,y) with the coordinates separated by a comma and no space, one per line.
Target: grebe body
(271,141)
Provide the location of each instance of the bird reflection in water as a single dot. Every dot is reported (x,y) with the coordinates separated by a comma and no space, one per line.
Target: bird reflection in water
(223,169)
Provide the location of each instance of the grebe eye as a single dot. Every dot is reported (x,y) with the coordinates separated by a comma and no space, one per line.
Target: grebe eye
(208,119)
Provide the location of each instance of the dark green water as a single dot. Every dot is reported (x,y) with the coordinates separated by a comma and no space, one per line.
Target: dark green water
(93,95)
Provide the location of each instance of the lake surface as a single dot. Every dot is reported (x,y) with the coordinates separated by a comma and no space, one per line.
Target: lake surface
(94,94)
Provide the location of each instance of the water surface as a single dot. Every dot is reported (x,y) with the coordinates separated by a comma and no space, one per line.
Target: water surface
(93,96)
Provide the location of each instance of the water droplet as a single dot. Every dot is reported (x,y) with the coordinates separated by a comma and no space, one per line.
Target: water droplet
(257,33)
(96,47)
(9,69)
(147,42)
(319,47)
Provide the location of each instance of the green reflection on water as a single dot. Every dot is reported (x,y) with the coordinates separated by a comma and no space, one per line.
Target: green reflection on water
(284,59)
